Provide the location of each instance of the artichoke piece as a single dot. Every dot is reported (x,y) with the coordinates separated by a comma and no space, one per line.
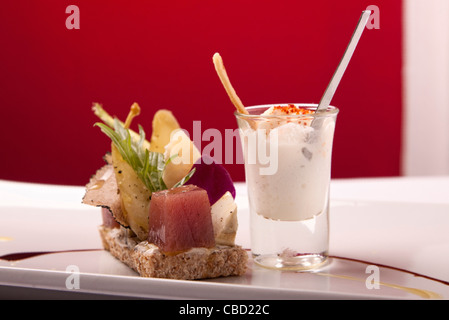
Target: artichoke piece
(134,195)
(224,220)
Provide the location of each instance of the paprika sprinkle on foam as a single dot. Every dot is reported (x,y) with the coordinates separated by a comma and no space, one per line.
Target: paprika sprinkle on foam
(287,110)
(290,109)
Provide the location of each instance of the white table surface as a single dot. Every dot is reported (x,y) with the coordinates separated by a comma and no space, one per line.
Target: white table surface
(396,222)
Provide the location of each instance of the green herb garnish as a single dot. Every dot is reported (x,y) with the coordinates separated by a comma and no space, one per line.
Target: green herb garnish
(148,165)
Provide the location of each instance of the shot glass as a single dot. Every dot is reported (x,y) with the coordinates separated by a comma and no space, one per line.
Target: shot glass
(288,171)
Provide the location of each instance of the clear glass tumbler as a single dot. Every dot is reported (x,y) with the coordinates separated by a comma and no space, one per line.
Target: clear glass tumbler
(288,169)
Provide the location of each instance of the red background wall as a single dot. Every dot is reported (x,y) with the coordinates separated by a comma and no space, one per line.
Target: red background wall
(159,54)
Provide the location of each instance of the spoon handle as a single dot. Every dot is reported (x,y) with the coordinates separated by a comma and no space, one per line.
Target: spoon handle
(338,74)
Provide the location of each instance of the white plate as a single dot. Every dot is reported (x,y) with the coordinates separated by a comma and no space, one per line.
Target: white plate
(407,243)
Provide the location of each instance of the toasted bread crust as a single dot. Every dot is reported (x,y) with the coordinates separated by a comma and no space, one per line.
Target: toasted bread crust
(197,263)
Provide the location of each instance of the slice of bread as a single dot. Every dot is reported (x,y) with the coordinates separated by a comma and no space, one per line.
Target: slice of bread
(196,263)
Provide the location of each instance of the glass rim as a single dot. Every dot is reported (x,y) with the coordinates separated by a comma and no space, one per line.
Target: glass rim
(331,110)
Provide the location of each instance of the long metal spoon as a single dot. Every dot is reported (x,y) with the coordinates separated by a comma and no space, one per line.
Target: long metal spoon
(338,74)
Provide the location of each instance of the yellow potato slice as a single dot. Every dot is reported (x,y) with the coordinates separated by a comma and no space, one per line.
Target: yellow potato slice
(183,154)
(164,122)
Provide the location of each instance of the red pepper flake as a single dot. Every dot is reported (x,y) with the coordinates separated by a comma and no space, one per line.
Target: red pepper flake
(292,109)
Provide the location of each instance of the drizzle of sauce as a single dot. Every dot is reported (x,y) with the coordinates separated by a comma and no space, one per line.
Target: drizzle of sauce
(17,256)
(426,294)
(392,268)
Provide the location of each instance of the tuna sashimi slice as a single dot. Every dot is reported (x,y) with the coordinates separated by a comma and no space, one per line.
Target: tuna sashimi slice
(180,219)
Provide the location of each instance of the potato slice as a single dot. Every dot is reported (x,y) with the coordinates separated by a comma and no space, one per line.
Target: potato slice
(134,195)
(183,154)
(163,124)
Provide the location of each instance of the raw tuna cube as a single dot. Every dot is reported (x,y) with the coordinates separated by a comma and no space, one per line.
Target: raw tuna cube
(180,219)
